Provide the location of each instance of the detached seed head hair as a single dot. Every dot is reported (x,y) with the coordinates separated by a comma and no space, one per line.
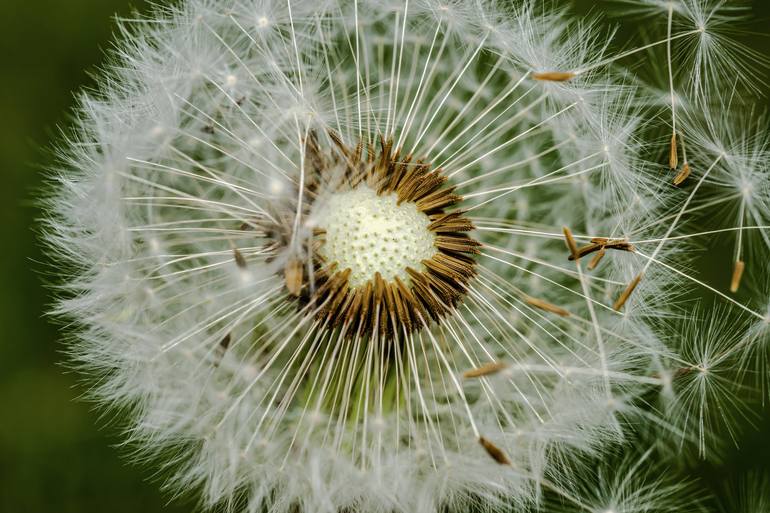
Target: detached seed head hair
(414,255)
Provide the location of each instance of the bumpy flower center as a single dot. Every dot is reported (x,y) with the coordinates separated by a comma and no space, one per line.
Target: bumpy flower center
(370,233)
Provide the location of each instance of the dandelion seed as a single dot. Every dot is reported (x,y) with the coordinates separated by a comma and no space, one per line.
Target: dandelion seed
(685,171)
(225,342)
(494,452)
(673,157)
(240,260)
(571,244)
(683,174)
(626,294)
(735,280)
(293,276)
(600,244)
(484,370)
(554,76)
(596,259)
(545,305)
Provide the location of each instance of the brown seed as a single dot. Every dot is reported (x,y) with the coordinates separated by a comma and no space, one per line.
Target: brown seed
(673,154)
(314,157)
(682,371)
(627,292)
(240,260)
(222,348)
(545,305)
(620,245)
(600,244)
(292,274)
(683,174)
(735,283)
(596,259)
(494,451)
(586,250)
(486,369)
(554,76)
(573,249)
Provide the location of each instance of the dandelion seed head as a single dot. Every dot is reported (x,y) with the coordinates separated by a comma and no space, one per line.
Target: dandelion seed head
(318,252)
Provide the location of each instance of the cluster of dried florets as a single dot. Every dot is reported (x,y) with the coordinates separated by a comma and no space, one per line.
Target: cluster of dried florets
(386,257)
(418,255)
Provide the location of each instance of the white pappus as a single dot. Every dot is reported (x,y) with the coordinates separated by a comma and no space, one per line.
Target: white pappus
(403,255)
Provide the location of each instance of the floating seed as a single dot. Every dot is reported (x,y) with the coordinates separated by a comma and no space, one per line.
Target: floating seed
(570,240)
(596,259)
(735,282)
(682,175)
(627,292)
(673,154)
(545,305)
(600,244)
(240,260)
(485,370)
(222,348)
(554,76)
(292,274)
(494,451)
(585,250)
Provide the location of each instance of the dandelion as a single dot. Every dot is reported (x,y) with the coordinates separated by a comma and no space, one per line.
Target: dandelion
(401,256)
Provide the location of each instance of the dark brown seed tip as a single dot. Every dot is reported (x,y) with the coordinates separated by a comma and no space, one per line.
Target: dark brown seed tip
(494,451)
(553,76)
(600,244)
(586,250)
(735,282)
(240,260)
(627,292)
(222,348)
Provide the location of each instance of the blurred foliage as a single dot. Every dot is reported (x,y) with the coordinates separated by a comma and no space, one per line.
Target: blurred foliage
(56,453)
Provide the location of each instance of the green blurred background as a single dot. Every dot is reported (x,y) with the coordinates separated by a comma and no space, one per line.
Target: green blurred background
(54,456)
